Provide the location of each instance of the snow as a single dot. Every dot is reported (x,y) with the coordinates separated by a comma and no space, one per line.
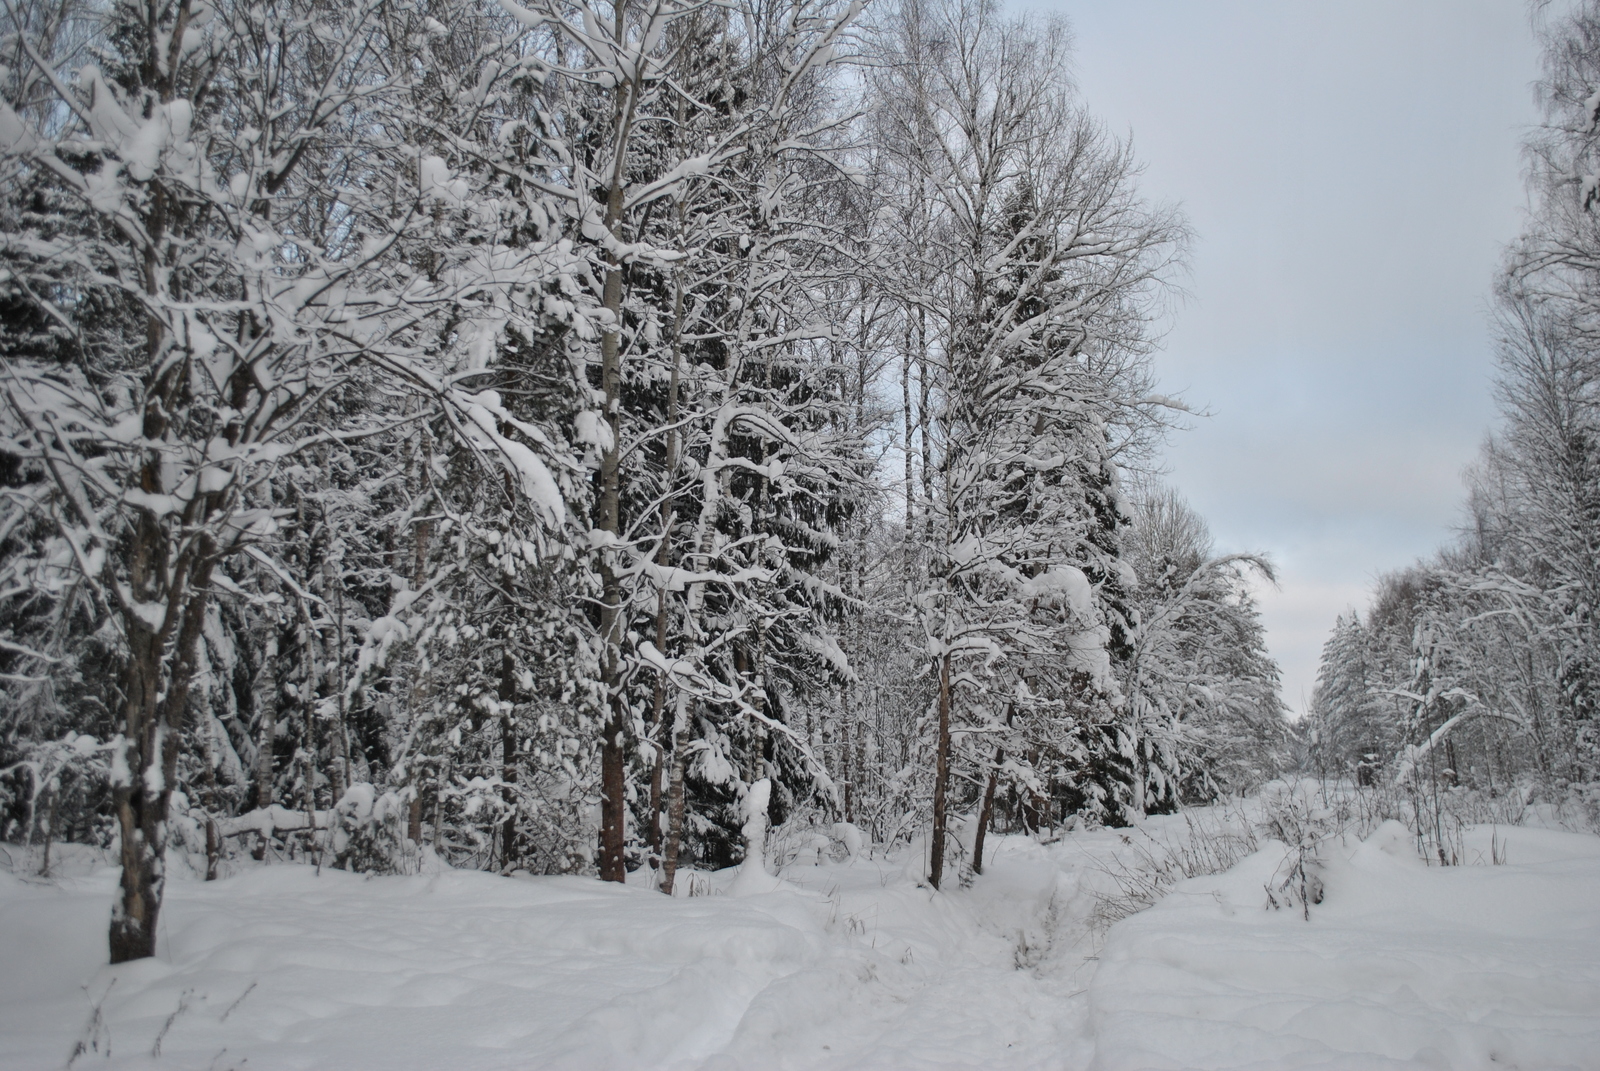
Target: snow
(1402,965)
(15,136)
(753,878)
(537,483)
(1063,583)
(265,820)
(438,182)
(843,964)
(589,427)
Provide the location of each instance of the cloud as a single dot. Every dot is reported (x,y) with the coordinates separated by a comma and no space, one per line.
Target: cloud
(1298,620)
(1352,172)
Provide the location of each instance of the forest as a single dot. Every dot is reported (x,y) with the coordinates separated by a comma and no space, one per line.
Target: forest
(523,434)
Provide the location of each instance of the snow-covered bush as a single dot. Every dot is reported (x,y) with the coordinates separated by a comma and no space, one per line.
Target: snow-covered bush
(1212,842)
(1587,795)
(367,832)
(812,840)
(47,774)
(1292,814)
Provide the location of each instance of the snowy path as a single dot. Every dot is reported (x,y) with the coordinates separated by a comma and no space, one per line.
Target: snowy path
(279,968)
(468,970)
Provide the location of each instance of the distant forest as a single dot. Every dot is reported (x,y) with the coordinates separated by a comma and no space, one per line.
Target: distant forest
(1479,668)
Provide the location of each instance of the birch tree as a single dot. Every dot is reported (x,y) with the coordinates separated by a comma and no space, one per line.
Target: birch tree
(1044,263)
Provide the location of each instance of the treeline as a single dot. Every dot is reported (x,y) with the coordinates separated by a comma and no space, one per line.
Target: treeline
(1482,665)
(514,431)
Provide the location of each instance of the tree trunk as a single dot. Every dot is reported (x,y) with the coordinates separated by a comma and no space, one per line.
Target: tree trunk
(339,742)
(669,860)
(663,558)
(508,763)
(658,702)
(419,573)
(269,721)
(414,820)
(846,768)
(141,813)
(986,812)
(209,801)
(910,476)
(50,825)
(213,848)
(941,775)
(153,722)
(613,621)
(311,809)
(613,789)
(924,408)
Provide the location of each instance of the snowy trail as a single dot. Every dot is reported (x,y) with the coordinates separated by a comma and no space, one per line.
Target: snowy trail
(469,970)
(850,966)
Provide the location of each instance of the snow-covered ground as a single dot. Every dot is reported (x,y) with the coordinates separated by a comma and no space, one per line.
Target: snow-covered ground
(848,964)
(1401,965)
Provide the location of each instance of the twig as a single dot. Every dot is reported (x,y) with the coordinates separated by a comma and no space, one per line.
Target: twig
(229,1010)
(183,1006)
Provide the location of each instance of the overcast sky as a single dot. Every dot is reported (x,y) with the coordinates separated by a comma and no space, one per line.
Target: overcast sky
(1351,171)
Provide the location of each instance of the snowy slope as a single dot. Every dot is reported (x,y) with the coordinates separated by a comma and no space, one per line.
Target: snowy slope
(847,965)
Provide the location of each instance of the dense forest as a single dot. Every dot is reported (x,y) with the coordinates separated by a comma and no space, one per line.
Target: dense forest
(1479,669)
(524,434)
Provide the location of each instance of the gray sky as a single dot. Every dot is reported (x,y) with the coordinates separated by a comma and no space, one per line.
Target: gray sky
(1351,171)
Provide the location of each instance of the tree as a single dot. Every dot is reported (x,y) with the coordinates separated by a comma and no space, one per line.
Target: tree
(240,260)
(1041,266)
(1202,689)
(1354,729)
